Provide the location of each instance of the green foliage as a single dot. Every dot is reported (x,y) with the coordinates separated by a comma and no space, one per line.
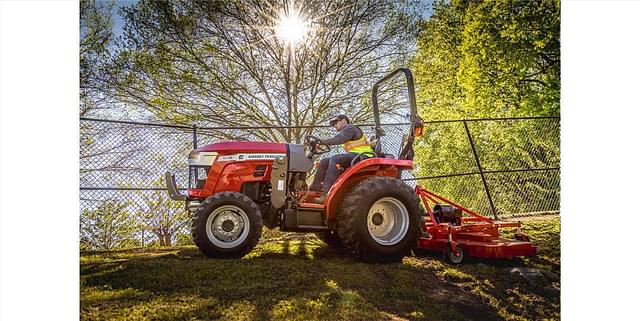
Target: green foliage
(156,221)
(183,239)
(109,226)
(500,145)
(95,37)
(525,144)
(162,216)
(488,59)
(511,57)
(301,279)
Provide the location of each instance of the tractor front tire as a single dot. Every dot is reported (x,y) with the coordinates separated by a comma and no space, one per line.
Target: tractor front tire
(379,219)
(227,225)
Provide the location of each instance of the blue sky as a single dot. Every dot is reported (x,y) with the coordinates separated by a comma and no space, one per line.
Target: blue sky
(118,22)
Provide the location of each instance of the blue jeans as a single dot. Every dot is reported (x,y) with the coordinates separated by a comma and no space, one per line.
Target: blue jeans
(327,173)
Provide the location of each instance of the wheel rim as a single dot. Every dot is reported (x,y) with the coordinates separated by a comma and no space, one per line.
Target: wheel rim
(227,226)
(388,221)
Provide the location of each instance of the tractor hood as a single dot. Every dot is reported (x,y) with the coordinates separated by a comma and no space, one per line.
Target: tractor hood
(225,148)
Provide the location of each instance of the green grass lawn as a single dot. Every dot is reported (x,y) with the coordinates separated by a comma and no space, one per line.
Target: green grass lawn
(301,279)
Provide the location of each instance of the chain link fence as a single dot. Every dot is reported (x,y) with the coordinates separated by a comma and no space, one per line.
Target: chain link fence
(507,167)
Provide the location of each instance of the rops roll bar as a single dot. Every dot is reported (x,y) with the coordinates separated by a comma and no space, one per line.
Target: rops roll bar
(416,121)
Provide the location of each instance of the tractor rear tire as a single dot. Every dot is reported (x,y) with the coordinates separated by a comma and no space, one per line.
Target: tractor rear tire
(331,238)
(379,220)
(226,225)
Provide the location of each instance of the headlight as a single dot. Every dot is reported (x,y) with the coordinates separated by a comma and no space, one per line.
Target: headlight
(202,158)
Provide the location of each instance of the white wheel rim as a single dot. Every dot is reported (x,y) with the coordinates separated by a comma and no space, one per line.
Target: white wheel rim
(388,221)
(227,226)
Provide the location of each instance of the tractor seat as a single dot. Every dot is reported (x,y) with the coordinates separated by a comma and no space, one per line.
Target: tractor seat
(377,149)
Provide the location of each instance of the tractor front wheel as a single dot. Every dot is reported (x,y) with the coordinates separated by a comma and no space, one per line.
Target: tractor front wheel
(379,219)
(227,225)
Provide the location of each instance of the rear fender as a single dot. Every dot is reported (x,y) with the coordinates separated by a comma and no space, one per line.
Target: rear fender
(358,172)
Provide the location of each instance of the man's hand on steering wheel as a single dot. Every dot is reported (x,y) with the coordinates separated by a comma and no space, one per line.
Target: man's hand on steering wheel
(316,145)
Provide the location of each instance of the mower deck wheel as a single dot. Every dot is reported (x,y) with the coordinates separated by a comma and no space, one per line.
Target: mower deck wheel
(454,258)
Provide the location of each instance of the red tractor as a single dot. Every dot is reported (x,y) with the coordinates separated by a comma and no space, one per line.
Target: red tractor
(237,187)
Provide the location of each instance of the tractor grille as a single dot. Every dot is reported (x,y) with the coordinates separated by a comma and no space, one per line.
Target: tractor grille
(198,176)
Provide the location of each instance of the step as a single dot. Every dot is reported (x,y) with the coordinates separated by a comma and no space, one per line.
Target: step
(311,206)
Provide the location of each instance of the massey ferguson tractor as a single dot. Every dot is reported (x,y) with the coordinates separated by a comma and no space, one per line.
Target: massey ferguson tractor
(237,187)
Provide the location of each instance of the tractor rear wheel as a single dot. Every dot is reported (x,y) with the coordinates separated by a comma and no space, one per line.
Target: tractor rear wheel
(379,219)
(226,225)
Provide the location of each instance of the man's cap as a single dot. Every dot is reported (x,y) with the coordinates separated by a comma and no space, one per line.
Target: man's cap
(338,118)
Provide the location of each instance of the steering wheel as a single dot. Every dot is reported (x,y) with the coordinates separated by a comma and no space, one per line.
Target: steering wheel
(316,145)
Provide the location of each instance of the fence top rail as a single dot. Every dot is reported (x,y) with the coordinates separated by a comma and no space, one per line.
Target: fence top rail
(134,123)
(221,127)
(489,119)
(293,127)
(311,126)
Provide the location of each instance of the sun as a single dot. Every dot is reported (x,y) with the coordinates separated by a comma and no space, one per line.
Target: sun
(291,27)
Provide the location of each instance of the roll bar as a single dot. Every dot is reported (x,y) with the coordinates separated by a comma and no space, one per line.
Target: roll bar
(407,149)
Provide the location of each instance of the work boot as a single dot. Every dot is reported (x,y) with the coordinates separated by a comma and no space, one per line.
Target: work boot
(321,199)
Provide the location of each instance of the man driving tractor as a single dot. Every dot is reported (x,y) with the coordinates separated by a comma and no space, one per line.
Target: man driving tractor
(354,143)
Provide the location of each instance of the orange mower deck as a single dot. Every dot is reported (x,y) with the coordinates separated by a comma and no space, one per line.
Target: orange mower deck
(472,235)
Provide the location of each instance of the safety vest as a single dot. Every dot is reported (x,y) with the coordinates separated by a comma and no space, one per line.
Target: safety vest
(358,146)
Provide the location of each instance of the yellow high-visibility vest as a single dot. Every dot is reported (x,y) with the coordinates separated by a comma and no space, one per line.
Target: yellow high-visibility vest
(358,146)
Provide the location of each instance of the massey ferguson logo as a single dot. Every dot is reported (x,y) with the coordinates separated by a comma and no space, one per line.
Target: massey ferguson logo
(243,157)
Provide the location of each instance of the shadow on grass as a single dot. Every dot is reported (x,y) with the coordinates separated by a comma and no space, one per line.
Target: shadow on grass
(305,280)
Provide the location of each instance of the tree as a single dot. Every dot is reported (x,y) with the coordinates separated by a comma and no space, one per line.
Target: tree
(511,57)
(162,216)
(490,59)
(95,37)
(109,226)
(436,64)
(220,63)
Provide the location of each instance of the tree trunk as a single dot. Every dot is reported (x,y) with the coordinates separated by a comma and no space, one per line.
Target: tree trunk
(167,239)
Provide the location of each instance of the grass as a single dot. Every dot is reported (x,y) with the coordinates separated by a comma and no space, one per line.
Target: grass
(301,279)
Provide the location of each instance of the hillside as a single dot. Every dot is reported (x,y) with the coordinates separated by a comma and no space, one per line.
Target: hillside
(299,278)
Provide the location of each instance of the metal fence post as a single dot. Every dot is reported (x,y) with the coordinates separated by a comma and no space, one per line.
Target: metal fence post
(195,136)
(484,181)
(195,145)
